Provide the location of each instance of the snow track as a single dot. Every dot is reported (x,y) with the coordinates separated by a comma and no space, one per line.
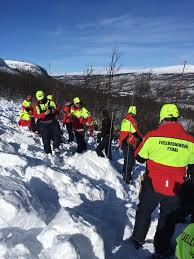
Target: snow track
(74,206)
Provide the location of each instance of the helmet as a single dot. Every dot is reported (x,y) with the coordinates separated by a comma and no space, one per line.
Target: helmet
(169,110)
(49,97)
(76,100)
(132,109)
(39,95)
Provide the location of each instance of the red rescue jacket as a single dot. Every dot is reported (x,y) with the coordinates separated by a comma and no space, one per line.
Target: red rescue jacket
(131,139)
(164,148)
(67,116)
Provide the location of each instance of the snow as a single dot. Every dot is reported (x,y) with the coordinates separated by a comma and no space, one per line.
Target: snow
(177,69)
(75,206)
(12,66)
(161,70)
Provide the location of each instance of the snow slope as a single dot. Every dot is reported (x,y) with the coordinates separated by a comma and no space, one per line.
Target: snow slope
(12,66)
(74,206)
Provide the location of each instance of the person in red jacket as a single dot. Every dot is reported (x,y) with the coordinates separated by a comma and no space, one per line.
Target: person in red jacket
(25,118)
(167,151)
(81,118)
(45,112)
(129,135)
(27,103)
(67,120)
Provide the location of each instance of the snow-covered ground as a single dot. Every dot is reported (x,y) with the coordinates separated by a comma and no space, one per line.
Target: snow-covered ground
(72,206)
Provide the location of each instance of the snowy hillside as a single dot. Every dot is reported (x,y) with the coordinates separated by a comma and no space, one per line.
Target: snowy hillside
(75,206)
(11,66)
(163,83)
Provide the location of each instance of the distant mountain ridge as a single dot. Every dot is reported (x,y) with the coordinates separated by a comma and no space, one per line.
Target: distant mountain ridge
(162,84)
(17,67)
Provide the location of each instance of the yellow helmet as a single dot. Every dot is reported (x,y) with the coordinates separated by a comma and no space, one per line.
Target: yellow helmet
(49,97)
(132,109)
(76,100)
(169,110)
(39,95)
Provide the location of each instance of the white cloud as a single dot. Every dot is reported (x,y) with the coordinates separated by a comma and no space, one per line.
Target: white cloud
(146,37)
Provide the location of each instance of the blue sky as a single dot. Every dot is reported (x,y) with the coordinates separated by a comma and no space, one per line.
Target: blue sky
(71,35)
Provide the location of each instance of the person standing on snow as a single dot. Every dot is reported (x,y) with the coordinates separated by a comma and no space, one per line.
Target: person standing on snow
(105,136)
(67,120)
(27,103)
(27,116)
(80,118)
(26,119)
(167,151)
(49,127)
(128,139)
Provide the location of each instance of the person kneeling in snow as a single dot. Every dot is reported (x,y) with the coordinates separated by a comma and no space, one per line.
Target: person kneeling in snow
(49,127)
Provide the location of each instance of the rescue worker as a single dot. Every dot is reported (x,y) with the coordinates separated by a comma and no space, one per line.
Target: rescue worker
(185,243)
(27,107)
(27,103)
(104,138)
(80,119)
(49,127)
(168,151)
(67,120)
(128,140)
(25,118)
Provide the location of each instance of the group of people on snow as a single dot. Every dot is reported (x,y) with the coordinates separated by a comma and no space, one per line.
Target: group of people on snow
(168,152)
(45,111)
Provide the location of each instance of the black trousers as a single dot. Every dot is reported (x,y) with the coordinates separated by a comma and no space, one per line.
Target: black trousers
(81,144)
(105,144)
(48,132)
(129,160)
(170,215)
(186,196)
(70,131)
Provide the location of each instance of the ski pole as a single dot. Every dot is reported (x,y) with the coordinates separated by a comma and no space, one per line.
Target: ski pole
(110,135)
(127,162)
